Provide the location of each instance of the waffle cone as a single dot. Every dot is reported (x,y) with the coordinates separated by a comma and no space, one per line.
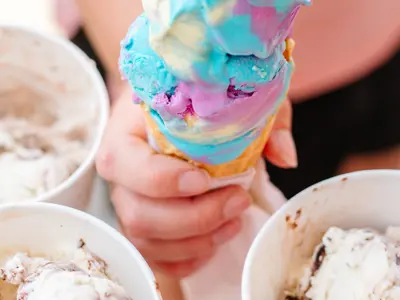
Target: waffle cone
(244,162)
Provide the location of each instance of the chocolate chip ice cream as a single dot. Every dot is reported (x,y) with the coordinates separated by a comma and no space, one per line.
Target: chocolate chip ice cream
(36,153)
(356,264)
(83,278)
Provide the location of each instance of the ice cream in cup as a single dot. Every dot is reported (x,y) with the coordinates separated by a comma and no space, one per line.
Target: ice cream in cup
(51,251)
(335,240)
(53,110)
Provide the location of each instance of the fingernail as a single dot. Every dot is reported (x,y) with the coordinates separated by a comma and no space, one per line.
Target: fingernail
(235,206)
(194,182)
(287,147)
(226,233)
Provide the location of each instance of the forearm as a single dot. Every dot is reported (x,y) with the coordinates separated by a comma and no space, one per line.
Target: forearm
(106,23)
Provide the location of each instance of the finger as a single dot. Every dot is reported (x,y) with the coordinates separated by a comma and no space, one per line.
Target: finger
(181,269)
(190,248)
(280,149)
(125,114)
(284,116)
(126,159)
(171,219)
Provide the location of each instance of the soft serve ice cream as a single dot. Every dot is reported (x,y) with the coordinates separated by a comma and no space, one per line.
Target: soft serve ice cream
(211,73)
(38,278)
(357,264)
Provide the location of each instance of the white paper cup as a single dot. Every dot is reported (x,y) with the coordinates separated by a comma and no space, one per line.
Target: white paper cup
(361,199)
(56,67)
(50,229)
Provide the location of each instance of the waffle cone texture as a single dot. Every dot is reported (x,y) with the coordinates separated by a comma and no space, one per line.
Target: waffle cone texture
(241,164)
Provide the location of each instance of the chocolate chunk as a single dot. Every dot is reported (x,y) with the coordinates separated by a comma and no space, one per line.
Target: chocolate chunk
(81,244)
(77,134)
(319,258)
(3,149)
(33,141)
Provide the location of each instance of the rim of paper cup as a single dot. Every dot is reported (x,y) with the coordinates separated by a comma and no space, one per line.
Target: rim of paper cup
(252,254)
(102,101)
(101,225)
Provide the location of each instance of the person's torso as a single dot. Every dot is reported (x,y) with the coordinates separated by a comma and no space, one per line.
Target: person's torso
(340,41)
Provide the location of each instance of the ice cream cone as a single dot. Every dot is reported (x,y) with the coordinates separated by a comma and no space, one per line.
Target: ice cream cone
(241,164)
(244,162)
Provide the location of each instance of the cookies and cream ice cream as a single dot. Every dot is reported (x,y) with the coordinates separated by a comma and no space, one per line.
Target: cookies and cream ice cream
(356,264)
(41,279)
(39,149)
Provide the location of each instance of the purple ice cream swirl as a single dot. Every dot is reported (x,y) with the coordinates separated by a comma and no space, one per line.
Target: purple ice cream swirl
(219,116)
(214,115)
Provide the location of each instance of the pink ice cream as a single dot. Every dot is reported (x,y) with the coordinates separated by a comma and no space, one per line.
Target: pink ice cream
(212,73)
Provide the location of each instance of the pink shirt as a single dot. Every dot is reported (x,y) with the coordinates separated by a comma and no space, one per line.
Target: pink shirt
(339,41)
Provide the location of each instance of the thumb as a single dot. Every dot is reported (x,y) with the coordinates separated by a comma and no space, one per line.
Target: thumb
(280,149)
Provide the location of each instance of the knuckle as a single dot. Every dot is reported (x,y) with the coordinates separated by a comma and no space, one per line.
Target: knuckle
(158,184)
(207,218)
(104,161)
(131,220)
(156,178)
(211,214)
(237,191)
(141,246)
(203,248)
(136,226)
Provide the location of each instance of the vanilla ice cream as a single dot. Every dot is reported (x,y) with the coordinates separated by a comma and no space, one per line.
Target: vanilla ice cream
(36,153)
(357,264)
(41,279)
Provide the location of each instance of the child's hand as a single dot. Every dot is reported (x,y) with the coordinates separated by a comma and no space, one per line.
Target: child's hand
(162,203)
(280,149)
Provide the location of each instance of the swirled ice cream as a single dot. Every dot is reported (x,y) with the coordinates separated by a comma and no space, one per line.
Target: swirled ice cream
(42,279)
(194,37)
(211,73)
(357,264)
(38,149)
